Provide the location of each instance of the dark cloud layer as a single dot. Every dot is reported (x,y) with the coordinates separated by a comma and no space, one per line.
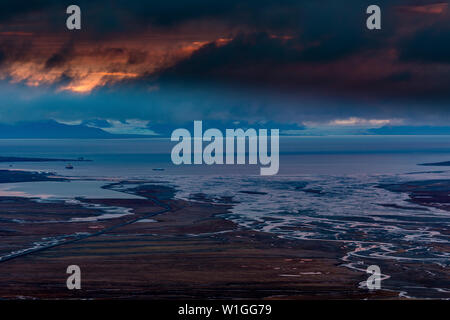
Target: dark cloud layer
(329,48)
(155,50)
(431,45)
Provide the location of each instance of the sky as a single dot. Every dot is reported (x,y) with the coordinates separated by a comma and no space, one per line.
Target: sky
(305,62)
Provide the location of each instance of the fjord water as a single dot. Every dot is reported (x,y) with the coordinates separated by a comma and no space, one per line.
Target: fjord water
(298,155)
(326,189)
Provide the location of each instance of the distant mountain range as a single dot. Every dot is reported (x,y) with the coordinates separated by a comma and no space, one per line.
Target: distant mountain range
(166,129)
(410,130)
(51,129)
(96,129)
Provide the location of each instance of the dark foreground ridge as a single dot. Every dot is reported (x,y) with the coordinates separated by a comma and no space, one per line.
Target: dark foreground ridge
(165,249)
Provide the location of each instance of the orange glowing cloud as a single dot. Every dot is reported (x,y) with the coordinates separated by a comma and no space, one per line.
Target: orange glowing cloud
(96,79)
(15,33)
(82,66)
(354,121)
(436,8)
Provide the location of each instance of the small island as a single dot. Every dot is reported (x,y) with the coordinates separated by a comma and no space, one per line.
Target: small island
(437,164)
(24,159)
